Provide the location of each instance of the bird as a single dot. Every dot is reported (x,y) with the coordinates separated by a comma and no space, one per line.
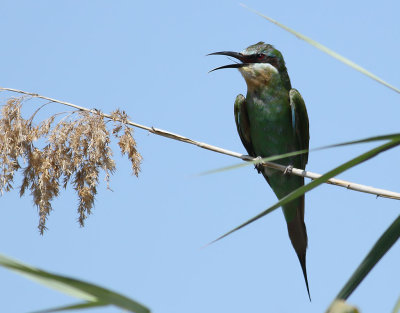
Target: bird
(272,119)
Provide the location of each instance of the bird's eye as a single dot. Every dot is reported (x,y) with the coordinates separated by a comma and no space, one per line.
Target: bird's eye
(260,56)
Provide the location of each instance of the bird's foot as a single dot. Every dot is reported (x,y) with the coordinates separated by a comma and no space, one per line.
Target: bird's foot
(259,166)
(288,170)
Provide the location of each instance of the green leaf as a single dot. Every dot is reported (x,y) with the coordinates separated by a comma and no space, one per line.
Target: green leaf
(76,288)
(258,161)
(315,183)
(364,140)
(326,50)
(384,243)
(285,155)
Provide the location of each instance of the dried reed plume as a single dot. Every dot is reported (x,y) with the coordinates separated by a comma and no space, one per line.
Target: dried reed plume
(76,149)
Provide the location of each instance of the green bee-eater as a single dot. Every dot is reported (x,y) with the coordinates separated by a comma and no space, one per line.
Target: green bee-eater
(273,120)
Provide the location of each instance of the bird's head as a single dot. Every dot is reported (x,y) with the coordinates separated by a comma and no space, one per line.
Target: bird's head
(260,63)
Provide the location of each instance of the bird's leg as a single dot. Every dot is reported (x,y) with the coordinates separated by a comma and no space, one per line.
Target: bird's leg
(288,170)
(259,166)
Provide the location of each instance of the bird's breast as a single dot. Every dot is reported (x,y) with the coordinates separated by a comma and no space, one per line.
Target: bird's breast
(270,123)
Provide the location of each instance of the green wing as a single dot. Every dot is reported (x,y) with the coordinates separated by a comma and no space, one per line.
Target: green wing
(300,123)
(243,124)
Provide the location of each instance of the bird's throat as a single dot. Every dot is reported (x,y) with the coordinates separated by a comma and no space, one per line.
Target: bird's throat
(259,75)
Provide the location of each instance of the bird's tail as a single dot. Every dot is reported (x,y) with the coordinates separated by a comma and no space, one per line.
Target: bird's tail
(298,237)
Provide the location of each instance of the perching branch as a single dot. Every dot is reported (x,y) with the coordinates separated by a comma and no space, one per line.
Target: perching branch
(299,172)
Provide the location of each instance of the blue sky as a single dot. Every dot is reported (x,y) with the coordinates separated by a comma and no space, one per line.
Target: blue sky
(144,239)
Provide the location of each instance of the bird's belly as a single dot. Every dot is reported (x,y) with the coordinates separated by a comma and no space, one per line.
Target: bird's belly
(274,138)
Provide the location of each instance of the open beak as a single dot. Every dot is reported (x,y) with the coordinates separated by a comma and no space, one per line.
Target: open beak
(235,55)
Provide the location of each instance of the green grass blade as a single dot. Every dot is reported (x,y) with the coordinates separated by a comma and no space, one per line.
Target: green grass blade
(326,50)
(315,183)
(281,156)
(239,165)
(73,287)
(78,306)
(396,308)
(384,243)
(46,279)
(364,140)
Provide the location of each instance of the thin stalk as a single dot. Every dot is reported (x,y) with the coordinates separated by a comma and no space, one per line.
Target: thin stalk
(160,132)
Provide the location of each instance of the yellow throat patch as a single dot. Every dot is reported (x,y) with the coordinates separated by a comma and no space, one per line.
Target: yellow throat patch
(258,75)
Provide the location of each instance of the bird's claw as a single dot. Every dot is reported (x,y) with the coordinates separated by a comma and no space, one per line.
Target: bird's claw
(288,170)
(259,166)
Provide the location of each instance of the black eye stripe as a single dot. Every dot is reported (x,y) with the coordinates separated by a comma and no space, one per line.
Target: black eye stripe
(261,58)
